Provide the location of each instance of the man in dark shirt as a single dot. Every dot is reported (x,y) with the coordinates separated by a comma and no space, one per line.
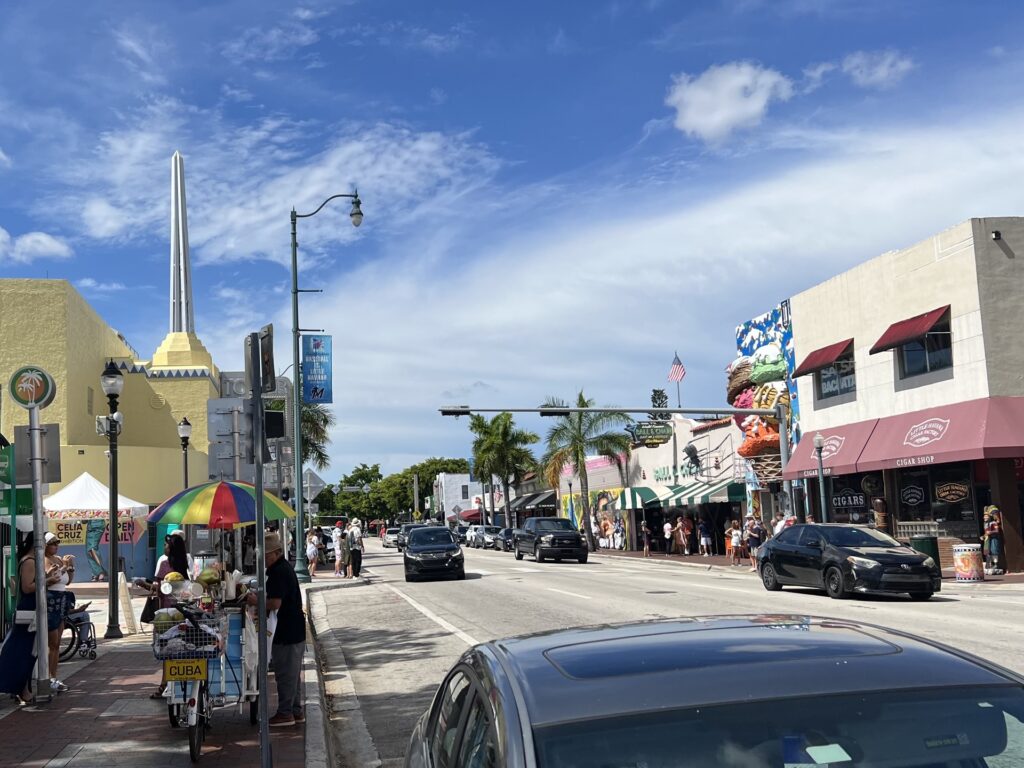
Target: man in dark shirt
(283,596)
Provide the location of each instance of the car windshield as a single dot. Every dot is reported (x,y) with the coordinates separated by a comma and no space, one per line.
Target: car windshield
(938,728)
(492,529)
(422,536)
(412,526)
(554,524)
(392,531)
(855,536)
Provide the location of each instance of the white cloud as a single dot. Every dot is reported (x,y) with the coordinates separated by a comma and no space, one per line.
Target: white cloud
(235,94)
(877,69)
(94,286)
(403,35)
(145,51)
(5,161)
(31,246)
(725,98)
(270,43)
(814,75)
(438,96)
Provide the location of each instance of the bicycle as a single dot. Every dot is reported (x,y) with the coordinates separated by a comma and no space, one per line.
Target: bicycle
(186,648)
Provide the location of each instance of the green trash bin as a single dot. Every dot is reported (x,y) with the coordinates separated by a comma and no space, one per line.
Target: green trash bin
(926,545)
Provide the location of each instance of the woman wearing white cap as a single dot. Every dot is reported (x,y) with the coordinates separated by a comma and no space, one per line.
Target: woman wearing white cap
(59,573)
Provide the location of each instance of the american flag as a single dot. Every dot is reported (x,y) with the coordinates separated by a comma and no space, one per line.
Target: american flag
(678,370)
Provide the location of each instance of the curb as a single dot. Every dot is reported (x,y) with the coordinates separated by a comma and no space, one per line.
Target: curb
(316,741)
(337,697)
(680,563)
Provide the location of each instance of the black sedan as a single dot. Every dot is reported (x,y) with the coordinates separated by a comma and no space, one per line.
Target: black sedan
(504,541)
(846,559)
(433,551)
(722,691)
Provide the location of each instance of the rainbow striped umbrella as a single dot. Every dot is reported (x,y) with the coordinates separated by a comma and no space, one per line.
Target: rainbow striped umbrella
(219,505)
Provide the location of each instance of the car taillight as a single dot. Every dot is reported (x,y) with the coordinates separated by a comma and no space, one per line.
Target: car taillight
(191,702)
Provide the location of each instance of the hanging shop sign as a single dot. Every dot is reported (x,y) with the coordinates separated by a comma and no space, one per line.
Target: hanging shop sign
(649,434)
(952,492)
(912,495)
(32,387)
(317,376)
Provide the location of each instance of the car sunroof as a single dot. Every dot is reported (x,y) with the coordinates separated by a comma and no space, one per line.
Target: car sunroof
(693,649)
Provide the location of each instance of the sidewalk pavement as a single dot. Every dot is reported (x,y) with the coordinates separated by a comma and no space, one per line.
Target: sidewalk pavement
(107,719)
(721,562)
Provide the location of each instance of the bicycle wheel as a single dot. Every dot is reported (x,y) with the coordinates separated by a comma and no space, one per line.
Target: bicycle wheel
(69,642)
(197,732)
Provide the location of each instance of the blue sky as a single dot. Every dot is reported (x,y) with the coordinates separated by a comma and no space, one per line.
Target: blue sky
(557,195)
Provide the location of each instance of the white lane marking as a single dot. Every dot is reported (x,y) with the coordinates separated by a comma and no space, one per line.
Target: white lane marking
(467,639)
(570,594)
(527,569)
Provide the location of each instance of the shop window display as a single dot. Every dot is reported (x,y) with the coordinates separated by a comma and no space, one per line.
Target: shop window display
(943,494)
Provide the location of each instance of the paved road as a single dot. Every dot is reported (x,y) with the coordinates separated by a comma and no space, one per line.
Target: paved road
(399,639)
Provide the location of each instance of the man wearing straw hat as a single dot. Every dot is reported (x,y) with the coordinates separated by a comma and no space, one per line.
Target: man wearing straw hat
(284,596)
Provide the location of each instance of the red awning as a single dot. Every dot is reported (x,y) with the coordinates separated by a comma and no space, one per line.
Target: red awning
(990,428)
(822,358)
(842,448)
(470,515)
(908,330)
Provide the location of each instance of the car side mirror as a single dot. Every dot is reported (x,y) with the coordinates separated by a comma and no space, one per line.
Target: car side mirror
(816,544)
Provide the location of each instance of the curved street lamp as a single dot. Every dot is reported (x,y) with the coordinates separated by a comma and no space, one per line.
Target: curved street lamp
(112,382)
(356,215)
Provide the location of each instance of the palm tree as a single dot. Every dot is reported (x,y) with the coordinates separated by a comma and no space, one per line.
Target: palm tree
(315,422)
(575,436)
(499,450)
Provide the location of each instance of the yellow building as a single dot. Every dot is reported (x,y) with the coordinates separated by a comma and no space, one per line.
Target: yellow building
(49,324)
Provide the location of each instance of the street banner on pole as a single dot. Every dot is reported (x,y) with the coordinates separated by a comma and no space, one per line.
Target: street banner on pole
(317,376)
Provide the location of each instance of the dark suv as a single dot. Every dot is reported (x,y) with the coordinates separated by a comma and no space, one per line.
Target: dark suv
(549,537)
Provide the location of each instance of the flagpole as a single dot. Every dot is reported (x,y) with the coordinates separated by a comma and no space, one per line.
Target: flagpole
(679,397)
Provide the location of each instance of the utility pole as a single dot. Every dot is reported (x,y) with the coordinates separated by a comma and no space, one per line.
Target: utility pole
(416,496)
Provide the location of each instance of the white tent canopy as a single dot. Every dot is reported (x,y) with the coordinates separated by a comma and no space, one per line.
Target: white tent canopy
(86,498)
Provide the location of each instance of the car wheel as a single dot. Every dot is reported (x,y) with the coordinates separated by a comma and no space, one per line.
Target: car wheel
(519,555)
(921,596)
(834,583)
(769,578)
(582,560)
(409,577)
(536,554)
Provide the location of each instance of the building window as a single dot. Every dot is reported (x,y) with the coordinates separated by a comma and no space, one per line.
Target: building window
(88,400)
(932,352)
(837,379)
(465,492)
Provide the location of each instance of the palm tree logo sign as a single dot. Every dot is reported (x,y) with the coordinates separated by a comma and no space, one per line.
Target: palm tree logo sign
(32,387)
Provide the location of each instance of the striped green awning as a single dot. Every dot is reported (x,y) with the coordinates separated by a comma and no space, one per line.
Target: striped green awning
(721,490)
(680,493)
(640,496)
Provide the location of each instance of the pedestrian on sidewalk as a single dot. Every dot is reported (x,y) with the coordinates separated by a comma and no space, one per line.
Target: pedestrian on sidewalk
(312,551)
(780,524)
(284,596)
(687,534)
(60,572)
(175,559)
(734,535)
(993,544)
(645,537)
(704,532)
(355,545)
(667,531)
(17,656)
(337,534)
(755,534)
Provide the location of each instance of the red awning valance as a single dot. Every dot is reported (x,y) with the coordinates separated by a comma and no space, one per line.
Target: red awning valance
(822,358)
(908,330)
(839,453)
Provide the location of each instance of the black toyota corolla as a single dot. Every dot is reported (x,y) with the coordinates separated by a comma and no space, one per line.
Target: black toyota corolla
(843,559)
(433,551)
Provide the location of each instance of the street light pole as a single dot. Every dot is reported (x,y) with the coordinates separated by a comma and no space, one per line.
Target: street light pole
(356,215)
(112,381)
(819,444)
(184,432)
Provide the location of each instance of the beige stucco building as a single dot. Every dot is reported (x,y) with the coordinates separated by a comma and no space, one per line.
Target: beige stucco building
(49,324)
(911,368)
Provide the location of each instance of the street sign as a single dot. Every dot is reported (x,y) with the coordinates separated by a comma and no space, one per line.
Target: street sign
(317,369)
(312,484)
(267,372)
(32,387)
(51,453)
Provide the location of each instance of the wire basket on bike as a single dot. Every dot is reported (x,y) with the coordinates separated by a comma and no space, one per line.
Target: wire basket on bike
(193,636)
